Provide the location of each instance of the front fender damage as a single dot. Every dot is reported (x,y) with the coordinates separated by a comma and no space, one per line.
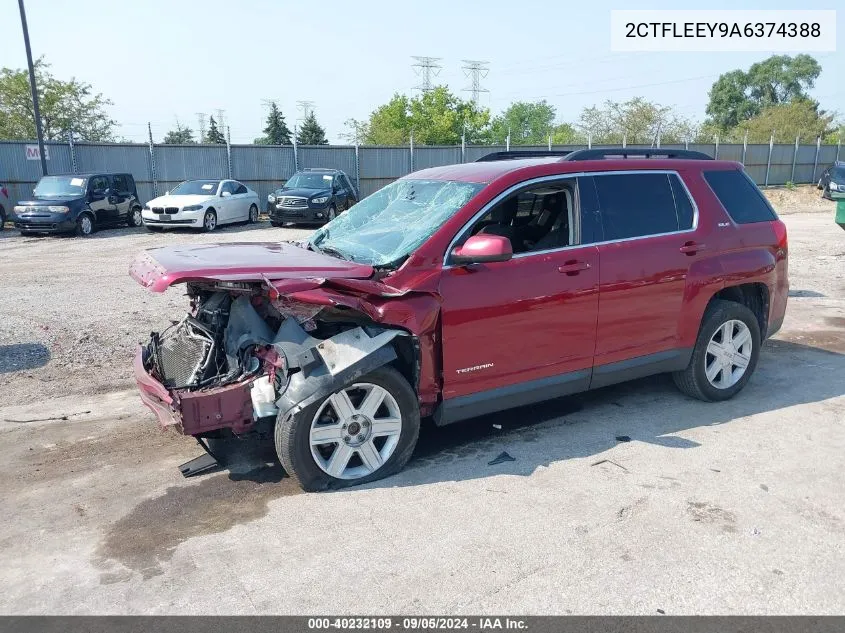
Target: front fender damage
(320,367)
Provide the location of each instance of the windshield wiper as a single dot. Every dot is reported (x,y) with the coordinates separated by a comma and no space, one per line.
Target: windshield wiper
(331,250)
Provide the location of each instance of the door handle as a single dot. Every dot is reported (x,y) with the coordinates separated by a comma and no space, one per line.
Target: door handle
(573,267)
(691,248)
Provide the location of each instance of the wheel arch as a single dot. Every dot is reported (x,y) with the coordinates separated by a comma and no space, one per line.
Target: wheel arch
(753,295)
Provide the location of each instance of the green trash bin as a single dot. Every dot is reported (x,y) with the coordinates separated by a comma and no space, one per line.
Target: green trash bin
(840,213)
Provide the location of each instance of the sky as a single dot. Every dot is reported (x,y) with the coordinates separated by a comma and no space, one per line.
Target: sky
(162,60)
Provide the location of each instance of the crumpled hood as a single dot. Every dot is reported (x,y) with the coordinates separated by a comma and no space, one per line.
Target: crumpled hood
(158,268)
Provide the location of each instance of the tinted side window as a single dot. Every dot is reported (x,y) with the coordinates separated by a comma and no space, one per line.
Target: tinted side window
(635,205)
(682,203)
(591,229)
(228,186)
(99,183)
(119,183)
(740,197)
(241,189)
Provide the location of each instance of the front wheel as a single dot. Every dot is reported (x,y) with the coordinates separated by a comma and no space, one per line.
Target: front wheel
(332,213)
(362,432)
(135,218)
(85,225)
(209,221)
(725,353)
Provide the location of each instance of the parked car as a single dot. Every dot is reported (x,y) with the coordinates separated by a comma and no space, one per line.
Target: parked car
(79,203)
(311,196)
(832,181)
(202,204)
(462,290)
(4,204)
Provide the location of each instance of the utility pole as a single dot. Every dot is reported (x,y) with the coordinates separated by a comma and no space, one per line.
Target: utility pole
(476,71)
(426,67)
(201,125)
(35,109)
(307,108)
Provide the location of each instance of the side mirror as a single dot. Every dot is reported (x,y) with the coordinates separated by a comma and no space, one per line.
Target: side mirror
(335,189)
(481,249)
(225,194)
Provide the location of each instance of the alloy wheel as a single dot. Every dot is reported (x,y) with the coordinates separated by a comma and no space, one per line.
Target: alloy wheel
(355,431)
(728,354)
(85,225)
(210,221)
(253,215)
(137,219)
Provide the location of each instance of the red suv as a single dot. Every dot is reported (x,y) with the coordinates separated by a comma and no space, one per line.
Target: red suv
(461,290)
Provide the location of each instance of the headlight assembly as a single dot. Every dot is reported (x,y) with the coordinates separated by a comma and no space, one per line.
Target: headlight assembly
(320,200)
(192,207)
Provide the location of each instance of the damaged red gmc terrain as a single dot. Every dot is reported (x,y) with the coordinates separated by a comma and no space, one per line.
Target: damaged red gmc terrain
(461,290)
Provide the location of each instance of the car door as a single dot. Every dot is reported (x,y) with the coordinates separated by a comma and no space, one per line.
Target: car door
(228,204)
(122,195)
(649,238)
(341,195)
(104,206)
(244,200)
(353,195)
(523,329)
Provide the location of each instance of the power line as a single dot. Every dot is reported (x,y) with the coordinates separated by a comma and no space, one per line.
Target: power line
(476,70)
(426,67)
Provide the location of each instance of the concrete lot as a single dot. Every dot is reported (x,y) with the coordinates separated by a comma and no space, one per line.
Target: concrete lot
(710,508)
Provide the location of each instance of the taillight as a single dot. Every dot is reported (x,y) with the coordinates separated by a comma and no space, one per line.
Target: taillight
(780,233)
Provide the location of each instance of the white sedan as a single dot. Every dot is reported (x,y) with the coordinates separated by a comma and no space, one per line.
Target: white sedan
(202,204)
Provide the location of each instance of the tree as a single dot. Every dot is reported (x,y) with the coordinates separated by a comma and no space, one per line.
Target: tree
(311,133)
(565,134)
(787,120)
(277,131)
(182,135)
(528,123)
(214,135)
(636,121)
(738,96)
(437,117)
(358,131)
(65,106)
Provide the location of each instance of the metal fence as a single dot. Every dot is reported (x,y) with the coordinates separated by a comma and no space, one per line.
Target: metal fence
(158,168)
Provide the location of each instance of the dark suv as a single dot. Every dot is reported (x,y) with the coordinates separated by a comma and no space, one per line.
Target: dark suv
(832,181)
(79,203)
(457,291)
(311,196)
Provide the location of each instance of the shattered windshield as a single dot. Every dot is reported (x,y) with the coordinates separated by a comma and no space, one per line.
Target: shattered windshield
(387,226)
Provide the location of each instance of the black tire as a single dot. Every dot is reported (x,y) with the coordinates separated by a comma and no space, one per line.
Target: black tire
(134,218)
(2,218)
(209,221)
(85,225)
(275,224)
(693,381)
(253,214)
(292,436)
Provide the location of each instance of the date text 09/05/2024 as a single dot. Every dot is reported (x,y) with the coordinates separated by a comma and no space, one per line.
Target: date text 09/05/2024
(417,623)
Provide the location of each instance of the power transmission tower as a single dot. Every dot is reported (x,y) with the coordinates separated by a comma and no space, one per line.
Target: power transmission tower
(426,67)
(477,70)
(201,124)
(221,122)
(307,108)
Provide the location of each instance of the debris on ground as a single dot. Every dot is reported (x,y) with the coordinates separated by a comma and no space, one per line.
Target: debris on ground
(623,438)
(503,457)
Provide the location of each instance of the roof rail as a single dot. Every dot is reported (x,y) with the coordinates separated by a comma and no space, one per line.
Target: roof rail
(528,153)
(614,152)
(318,169)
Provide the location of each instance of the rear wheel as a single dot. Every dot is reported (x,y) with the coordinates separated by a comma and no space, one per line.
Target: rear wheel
(725,353)
(2,218)
(85,225)
(135,218)
(362,432)
(253,214)
(209,221)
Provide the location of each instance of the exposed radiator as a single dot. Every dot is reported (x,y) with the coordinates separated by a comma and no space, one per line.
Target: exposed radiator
(183,354)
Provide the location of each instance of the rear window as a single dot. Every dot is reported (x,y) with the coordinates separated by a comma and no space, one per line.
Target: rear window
(741,198)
